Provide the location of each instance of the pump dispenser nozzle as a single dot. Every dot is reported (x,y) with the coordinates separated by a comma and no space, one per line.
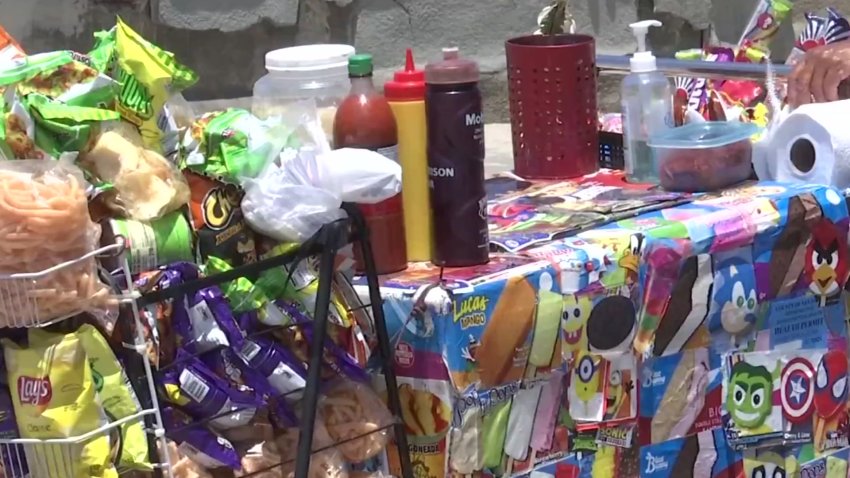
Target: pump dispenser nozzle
(642,61)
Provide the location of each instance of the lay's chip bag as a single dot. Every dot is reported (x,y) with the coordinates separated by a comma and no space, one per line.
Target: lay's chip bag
(54,396)
(115,394)
(148,76)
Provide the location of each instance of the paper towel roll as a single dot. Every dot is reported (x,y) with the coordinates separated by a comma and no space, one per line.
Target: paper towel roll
(810,145)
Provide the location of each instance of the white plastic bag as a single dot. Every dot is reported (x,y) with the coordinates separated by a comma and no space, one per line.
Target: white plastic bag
(285,211)
(352,175)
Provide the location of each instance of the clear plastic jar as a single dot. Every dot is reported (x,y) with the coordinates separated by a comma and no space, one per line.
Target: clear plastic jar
(318,72)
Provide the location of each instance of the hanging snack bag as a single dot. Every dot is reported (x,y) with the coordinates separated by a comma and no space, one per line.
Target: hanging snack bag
(350,410)
(148,76)
(233,145)
(192,386)
(204,321)
(217,220)
(197,442)
(116,395)
(54,396)
(14,459)
(286,376)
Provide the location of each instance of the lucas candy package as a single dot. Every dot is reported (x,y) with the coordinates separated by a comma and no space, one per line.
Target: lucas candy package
(687,388)
(115,393)
(706,455)
(54,396)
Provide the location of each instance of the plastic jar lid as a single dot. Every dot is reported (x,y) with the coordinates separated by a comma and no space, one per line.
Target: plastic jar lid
(309,58)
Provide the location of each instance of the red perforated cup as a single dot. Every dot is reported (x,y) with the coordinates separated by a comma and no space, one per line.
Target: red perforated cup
(552,94)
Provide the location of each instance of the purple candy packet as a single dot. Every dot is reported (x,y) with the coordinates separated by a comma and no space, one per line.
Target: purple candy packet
(13,456)
(192,386)
(205,322)
(279,367)
(337,359)
(199,443)
(227,363)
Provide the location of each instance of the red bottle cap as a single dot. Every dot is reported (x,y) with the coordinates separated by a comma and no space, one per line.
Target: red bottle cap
(407,84)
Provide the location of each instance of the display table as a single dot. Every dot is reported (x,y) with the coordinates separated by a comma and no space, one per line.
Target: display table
(634,347)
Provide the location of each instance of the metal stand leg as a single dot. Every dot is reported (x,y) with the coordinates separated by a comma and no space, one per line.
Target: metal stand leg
(384,343)
(320,329)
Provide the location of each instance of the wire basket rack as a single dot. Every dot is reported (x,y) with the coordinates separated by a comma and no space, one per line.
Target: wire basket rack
(21,300)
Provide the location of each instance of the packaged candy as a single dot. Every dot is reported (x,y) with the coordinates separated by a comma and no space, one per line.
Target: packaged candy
(147,74)
(218,221)
(350,409)
(192,386)
(13,457)
(819,31)
(197,442)
(116,395)
(233,145)
(54,396)
(764,23)
(204,321)
(226,362)
(284,373)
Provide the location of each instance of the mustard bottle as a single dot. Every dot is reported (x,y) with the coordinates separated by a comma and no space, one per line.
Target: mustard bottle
(406,95)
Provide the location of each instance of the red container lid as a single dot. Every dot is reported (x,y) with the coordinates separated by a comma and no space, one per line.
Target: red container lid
(407,84)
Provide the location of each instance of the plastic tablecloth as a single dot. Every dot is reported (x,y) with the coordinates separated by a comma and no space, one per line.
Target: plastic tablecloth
(652,335)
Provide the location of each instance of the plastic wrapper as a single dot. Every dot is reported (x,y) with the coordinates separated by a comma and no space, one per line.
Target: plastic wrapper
(45,221)
(148,77)
(327,463)
(197,444)
(245,295)
(61,128)
(352,175)
(337,362)
(9,47)
(350,410)
(285,375)
(192,386)
(204,321)
(819,31)
(14,459)
(285,211)
(226,363)
(55,396)
(115,393)
(72,81)
(147,185)
(157,318)
(233,145)
(218,221)
(611,122)
(764,22)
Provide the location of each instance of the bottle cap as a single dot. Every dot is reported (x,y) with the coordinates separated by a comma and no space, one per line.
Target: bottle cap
(643,61)
(451,69)
(360,65)
(407,84)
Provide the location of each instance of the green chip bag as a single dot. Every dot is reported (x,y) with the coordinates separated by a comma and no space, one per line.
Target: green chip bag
(61,128)
(233,144)
(72,82)
(148,76)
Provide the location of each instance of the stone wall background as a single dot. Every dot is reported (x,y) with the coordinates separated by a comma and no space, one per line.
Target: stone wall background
(225,40)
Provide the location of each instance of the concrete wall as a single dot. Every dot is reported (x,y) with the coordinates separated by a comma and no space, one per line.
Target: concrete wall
(225,40)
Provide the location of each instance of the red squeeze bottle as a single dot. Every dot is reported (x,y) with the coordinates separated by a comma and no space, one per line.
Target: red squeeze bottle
(364,120)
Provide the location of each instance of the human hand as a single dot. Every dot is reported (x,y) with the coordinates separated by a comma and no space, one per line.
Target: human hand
(817,75)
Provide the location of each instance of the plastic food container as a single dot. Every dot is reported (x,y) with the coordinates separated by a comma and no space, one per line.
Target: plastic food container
(317,72)
(704,156)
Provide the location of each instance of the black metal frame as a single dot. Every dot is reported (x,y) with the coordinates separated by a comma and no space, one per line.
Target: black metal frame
(326,243)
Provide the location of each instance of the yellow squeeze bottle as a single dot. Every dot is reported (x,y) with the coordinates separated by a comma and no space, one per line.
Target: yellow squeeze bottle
(406,95)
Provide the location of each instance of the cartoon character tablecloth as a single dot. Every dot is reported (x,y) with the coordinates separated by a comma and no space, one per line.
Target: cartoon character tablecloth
(706,339)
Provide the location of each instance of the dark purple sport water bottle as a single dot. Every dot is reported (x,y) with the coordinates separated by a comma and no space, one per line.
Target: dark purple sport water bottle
(456,161)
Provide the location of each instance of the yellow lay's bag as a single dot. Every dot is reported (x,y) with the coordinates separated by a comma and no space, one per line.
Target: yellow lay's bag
(54,396)
(115,394)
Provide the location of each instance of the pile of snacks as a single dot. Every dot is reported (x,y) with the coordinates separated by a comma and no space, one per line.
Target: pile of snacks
(92,150)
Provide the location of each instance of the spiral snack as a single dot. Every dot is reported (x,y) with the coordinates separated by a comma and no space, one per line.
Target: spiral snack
(350,410)
(44,221)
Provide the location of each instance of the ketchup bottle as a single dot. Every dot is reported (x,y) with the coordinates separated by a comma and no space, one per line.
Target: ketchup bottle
(365,120)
